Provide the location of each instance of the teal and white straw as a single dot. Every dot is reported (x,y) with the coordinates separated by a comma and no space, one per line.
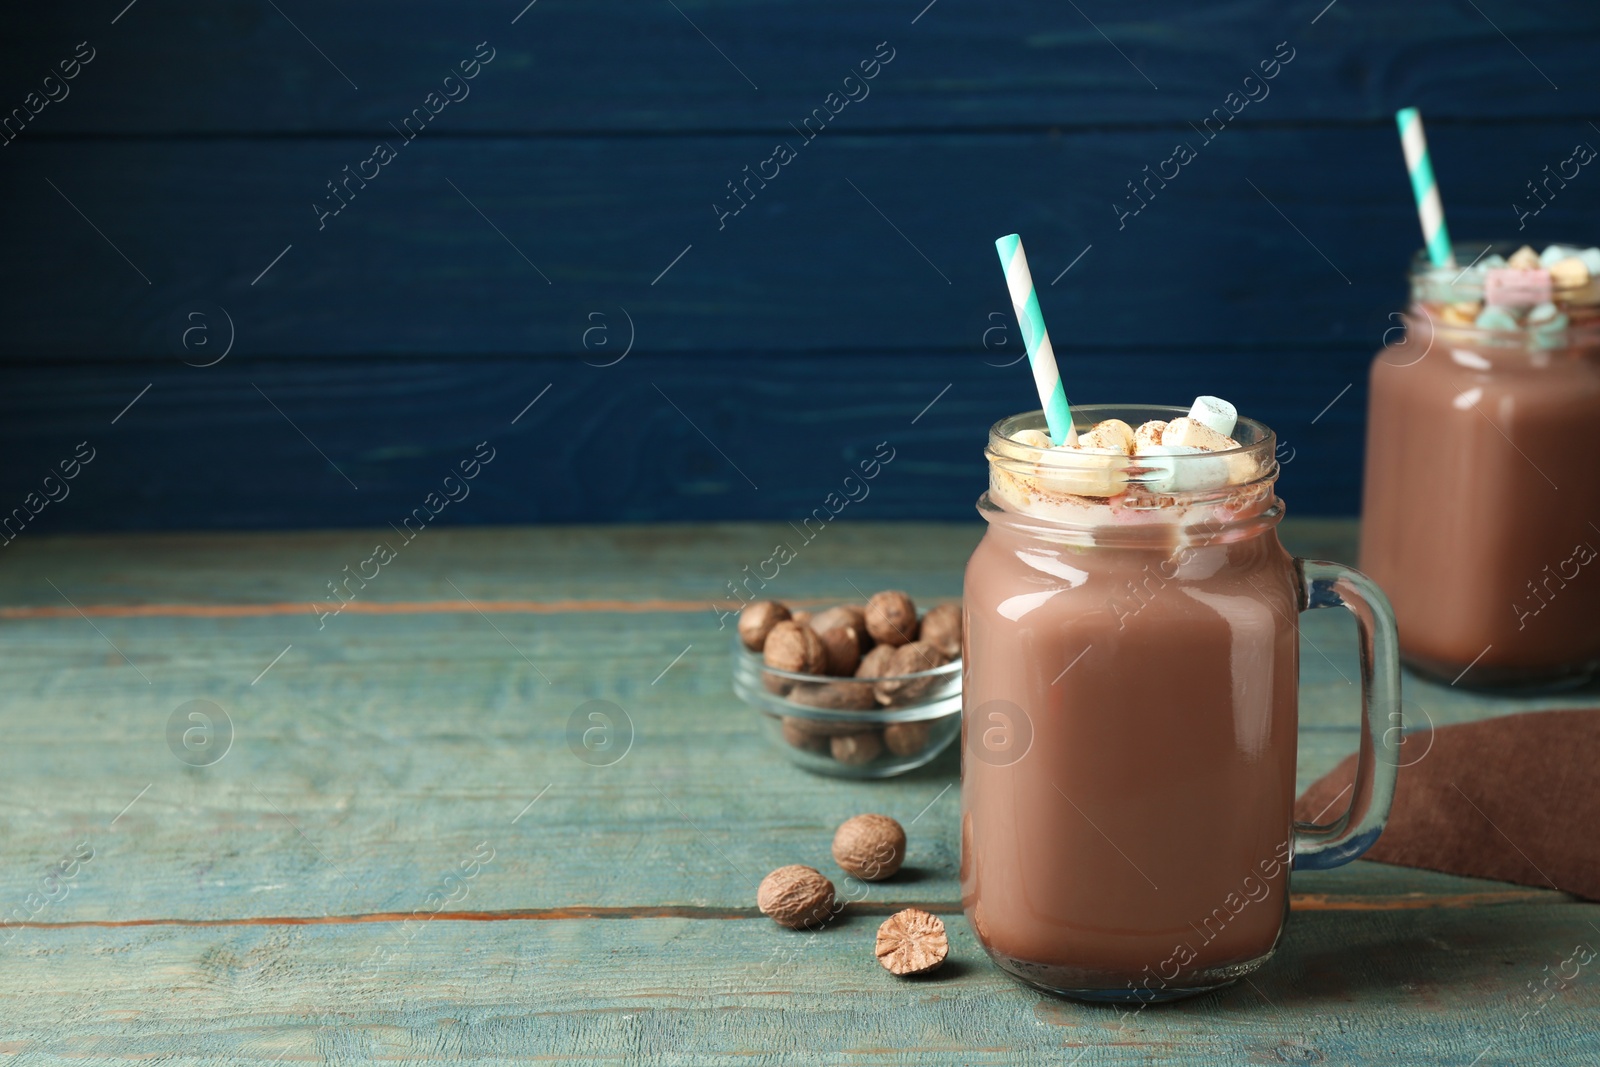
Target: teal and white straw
(1429,209)
(1041,357)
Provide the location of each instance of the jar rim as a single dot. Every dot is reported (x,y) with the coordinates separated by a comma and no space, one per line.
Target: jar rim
(1462,284)
(1256,440)
(1032,484)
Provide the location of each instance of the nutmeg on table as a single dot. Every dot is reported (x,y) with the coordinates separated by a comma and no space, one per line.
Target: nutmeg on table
(796,896)
(911,942)
(870,847)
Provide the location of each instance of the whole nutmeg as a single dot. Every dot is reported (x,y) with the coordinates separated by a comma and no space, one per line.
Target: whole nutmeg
(802,617)
(891,618)
(792,647)
(844,615)
(871,847)
(875,664)
(757,620)
(905,738)
(909,659)
(912,942)
(941,628)
(858,748)
(835,696)
(795,896)
(795,735)
(844,649)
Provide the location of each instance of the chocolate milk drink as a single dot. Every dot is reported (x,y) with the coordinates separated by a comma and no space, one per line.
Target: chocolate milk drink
(1481,516)
(1130,707)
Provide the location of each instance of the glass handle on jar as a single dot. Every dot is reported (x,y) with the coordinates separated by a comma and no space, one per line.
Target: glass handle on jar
(1318,846)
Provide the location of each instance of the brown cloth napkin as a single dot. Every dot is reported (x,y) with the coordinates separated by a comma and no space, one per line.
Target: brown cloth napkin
(1514,798)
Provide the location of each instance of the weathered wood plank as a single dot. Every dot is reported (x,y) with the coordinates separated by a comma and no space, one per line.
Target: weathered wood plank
(410,267)
(618,66)
(379,748)
(600,445)
(274,831)
(601,165)
(410,270)
(1358,988)
(636,563)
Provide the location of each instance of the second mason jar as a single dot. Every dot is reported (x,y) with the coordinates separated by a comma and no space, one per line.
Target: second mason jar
(1481,511)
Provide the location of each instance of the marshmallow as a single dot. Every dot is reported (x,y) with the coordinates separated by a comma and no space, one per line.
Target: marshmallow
(1187,432)
(1550,332)
(1553,254)
(1492,261)
(1216,413)
(1495,318)
(1242,468)
(1148,434)
(1087,477)
(1171,457)
(1543,314)
(1164,473)
(1569,273)
(1524,258)
(1465,314)
(1113,435)
(1591,259)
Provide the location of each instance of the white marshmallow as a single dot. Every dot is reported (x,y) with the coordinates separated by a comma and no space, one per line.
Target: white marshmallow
(1166,474)
(1032,438)
(1242,469)
(1148,434)
(1087,477)
(1216,413)
(1591,259)
(1112,434)
(1192,433)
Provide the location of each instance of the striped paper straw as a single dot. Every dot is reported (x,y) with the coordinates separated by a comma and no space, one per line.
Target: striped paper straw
(1429,209)
(1041,357)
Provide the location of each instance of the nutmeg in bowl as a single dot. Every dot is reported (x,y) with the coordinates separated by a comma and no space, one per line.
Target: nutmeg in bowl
(838,700)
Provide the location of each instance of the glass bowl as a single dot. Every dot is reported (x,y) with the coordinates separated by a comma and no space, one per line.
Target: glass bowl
(842,727)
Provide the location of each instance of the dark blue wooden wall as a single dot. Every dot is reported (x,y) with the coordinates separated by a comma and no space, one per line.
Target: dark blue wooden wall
(565,211)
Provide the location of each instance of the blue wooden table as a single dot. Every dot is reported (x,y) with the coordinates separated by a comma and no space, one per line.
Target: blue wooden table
(381,844)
